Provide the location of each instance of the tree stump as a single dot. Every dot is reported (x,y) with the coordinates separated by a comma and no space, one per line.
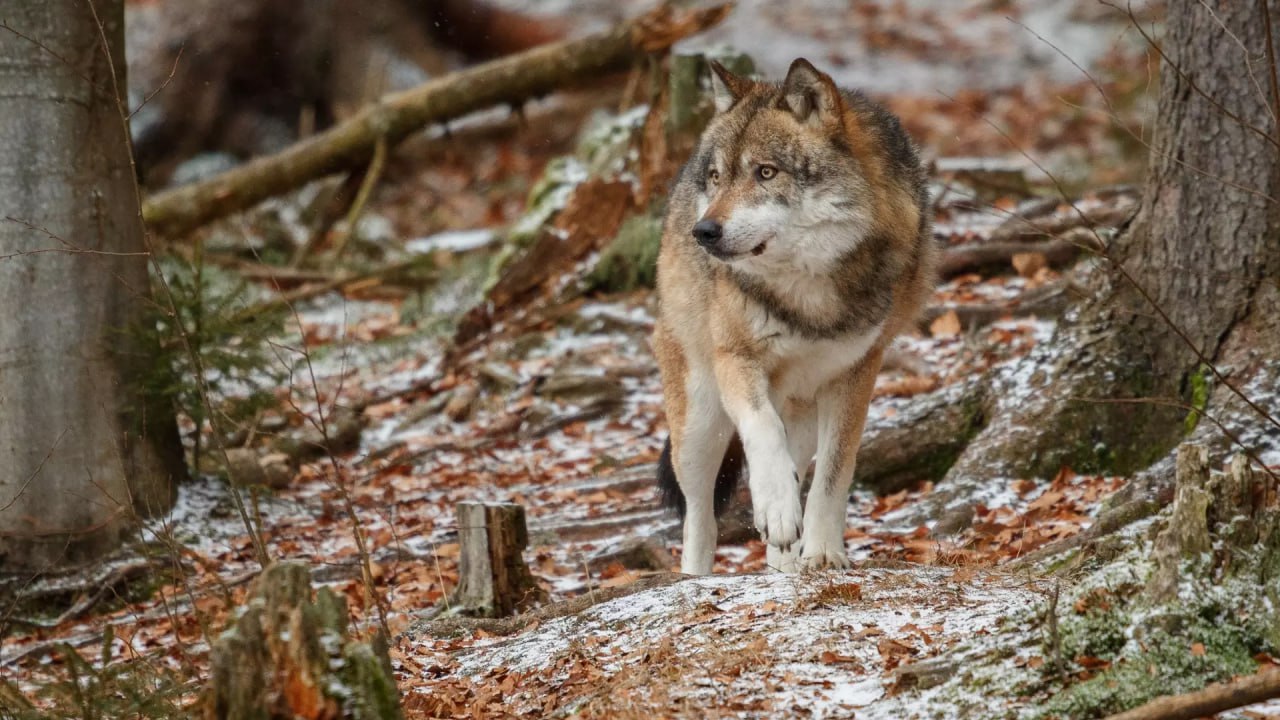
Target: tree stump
(493,580)
(1221,524)
(287,656)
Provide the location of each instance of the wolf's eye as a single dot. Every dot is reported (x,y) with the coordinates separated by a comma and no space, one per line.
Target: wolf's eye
(766,172)
(714,177)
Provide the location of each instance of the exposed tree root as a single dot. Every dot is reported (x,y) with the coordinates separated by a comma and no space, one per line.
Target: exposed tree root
(922,440)
(451,626)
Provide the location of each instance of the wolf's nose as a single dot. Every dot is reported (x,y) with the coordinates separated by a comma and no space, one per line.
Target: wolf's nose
(707,232)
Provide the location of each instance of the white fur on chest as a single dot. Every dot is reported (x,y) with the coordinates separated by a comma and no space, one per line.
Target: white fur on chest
(801,366)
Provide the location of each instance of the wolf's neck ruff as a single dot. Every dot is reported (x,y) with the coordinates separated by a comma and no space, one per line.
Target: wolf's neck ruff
(858,298)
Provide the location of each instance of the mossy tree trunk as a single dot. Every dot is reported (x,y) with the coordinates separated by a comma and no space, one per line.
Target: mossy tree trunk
(1192,282)
(83,450)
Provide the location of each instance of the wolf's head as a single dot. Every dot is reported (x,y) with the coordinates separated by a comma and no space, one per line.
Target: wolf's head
(781,185)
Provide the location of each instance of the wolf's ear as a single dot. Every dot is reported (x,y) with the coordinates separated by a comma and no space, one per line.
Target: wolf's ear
(726,87)
(810,94)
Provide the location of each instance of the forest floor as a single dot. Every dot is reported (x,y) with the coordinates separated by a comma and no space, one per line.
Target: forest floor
(558,408)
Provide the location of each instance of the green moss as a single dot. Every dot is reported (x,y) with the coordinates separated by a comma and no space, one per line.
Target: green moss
(1099,632)
(631,260)
(1162,663)
(1199,387)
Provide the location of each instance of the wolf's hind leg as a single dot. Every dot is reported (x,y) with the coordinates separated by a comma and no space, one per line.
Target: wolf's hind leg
(842,413)
(698,446)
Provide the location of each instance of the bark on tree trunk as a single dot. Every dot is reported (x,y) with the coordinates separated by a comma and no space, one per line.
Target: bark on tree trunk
(1193,280)
(83,451)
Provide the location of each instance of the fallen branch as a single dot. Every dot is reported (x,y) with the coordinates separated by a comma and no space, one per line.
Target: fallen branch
(92,590)
(1214,699)
(1050,218)
(287,299)
(511,80)
(998,255)
(1046,301)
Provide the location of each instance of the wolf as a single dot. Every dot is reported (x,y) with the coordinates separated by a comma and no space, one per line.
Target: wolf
(796,245)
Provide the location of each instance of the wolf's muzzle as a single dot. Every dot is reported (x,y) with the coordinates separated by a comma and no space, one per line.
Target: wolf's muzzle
(708,234)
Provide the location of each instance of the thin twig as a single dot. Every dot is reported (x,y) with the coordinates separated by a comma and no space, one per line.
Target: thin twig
(260,548)
(172,71)
(371,177)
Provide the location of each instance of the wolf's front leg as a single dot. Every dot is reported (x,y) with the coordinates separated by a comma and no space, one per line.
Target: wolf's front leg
(771,474)
(842,413)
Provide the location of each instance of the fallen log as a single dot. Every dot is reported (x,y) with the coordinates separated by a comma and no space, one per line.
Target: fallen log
(1051,217)
(1214,699)
(510,81)
(998,255)
(1047,301)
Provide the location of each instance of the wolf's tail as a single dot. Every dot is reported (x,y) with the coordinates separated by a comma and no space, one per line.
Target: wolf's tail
(726,478)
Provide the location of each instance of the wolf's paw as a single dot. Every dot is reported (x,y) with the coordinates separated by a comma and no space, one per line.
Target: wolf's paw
(778,560)
(823,556)
(778,514)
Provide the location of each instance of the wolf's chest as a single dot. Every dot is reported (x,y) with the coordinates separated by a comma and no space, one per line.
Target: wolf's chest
(800,367)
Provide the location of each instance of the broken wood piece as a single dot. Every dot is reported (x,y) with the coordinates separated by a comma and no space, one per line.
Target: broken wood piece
(493,580)
(508,81)
(252,467)
(1185,539)
(1214,699)
(593,214)
(289,654)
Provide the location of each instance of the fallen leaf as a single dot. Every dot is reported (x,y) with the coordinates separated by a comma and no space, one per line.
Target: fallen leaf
(945,325)
(1092,663)
(833,658)
(1028,264)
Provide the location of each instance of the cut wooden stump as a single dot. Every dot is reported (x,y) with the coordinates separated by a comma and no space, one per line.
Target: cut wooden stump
(289,656)
(493,580)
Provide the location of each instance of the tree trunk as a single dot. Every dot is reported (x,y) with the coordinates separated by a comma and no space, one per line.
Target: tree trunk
(1191,283)
(83,450)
